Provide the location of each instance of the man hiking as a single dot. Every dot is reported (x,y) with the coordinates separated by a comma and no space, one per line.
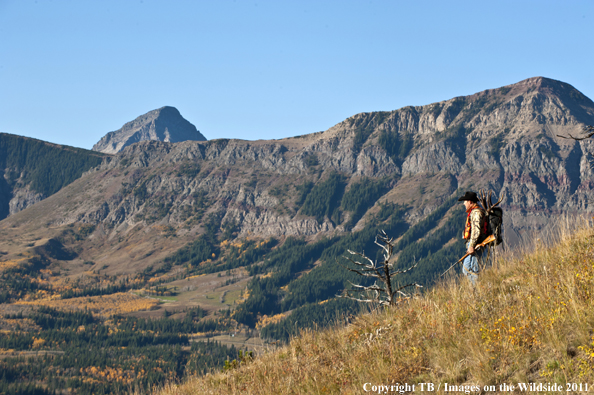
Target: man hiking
(475,232)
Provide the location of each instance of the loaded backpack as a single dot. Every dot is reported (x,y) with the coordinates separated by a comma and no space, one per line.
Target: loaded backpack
(494,215)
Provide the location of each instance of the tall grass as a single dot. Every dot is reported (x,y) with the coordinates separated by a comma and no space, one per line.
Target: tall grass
(529,319)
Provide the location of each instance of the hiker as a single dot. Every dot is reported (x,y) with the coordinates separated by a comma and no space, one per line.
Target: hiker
(475,232)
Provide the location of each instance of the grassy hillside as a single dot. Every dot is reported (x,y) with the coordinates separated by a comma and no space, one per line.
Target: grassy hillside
(530,319)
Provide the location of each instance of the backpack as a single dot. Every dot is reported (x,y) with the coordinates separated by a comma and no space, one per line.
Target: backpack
(495,224)
(494,215)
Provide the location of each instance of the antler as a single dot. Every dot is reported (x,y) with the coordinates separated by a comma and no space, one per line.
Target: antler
(486,199)
(483,199)
(498,201)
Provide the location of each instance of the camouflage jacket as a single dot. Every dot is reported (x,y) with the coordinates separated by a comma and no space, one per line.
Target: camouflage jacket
(475,229)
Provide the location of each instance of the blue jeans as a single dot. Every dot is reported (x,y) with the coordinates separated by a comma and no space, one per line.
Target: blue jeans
(470,265)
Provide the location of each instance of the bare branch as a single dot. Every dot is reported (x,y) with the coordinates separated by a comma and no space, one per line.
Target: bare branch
(589,130)
(366,268)
(410,268)
(364,274)
(381,302)
(406,286)
(365,265)
(387,252)
(376,275)
(363,256)
(373,287)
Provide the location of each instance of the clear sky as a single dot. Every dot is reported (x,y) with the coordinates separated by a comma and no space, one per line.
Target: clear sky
(72,71)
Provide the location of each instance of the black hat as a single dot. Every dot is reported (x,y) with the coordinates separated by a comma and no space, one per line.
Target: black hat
(469,195)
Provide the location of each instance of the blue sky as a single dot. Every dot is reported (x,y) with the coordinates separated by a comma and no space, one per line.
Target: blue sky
(71,71)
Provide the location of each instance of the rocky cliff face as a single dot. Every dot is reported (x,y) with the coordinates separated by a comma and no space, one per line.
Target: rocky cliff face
(22,198)
(503,139)
(164,124)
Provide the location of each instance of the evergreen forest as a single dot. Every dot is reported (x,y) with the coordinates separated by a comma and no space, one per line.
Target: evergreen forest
(44,167)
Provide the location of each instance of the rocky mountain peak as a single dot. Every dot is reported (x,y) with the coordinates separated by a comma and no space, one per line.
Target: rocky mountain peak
(163,124)
(534,85)
(543,85)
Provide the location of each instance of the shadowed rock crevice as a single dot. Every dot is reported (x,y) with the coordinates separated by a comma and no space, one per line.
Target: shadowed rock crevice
(56,250)
(545,193)
(572,168)
(5,196)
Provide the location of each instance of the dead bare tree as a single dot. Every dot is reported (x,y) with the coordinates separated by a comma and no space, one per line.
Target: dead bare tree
(588,131)
(384,293)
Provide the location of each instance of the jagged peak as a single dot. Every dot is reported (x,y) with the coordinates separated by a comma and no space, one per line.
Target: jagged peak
(163,124)
(163,112)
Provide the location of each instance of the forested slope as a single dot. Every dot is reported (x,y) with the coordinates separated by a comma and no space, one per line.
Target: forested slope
(39,168)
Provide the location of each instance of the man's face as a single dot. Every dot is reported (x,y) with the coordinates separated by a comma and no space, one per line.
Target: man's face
(467,204)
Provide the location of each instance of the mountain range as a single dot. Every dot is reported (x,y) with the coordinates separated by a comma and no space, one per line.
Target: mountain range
(505,139)
(255,228)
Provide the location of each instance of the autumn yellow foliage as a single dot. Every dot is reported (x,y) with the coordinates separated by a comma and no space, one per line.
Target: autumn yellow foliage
(5,265)
(37,343)
(265,320)
(108,374)
(103,305)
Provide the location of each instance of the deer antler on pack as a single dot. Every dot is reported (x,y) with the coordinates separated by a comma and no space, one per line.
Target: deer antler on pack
(485,198)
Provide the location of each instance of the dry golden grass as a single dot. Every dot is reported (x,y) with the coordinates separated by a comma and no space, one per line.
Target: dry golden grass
(530,319)
(103,305)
